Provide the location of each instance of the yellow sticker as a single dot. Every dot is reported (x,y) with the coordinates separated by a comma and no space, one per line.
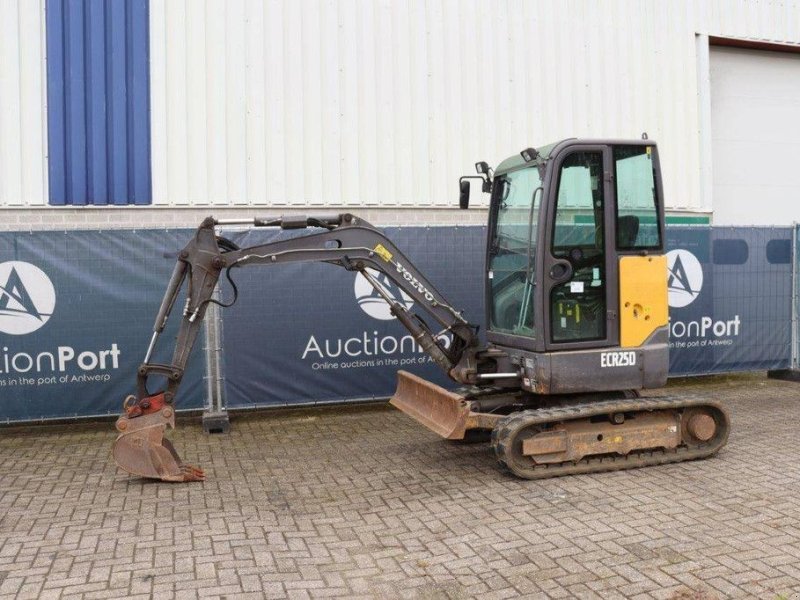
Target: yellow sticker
(649,151)
(382,252)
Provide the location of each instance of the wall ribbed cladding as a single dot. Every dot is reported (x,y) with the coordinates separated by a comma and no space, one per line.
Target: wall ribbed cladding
(98,102)
(23,180)
(386,104)
(376,104)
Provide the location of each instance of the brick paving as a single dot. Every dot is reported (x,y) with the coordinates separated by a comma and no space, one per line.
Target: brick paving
(362,502)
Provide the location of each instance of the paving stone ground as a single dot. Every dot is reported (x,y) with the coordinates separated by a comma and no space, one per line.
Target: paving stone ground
(362,502)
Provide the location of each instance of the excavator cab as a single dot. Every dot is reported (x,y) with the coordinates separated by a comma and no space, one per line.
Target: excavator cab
(575,267)
(576,319)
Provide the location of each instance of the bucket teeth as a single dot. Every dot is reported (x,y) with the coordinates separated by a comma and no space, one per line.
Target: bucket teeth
(141,448)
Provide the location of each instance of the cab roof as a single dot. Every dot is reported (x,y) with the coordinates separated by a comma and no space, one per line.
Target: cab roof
(515,161)
(545,152)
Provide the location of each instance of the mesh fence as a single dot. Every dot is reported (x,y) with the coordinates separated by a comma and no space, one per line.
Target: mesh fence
(76,312)
(730,299)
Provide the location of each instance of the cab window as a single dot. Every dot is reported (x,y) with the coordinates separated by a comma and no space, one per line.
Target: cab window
(512,252)
(578,306)
(637,201)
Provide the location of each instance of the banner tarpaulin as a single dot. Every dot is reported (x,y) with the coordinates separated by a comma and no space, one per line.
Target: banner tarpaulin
(76,316)
(77,308)
(309,333)
(304,333)
(730,299)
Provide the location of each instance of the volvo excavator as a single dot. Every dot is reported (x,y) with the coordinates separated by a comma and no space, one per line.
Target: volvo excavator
(576,323)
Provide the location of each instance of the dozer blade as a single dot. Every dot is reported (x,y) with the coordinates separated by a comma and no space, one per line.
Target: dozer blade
(141,448)
(441,411)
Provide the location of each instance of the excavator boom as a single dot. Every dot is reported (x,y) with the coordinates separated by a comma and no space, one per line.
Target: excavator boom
(343,240)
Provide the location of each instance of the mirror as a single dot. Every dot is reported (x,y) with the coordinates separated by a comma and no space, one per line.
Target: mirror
(463,199)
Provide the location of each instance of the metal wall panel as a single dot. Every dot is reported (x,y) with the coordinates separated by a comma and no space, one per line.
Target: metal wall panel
(755,112)
(98,102)
(23,174)
(386,104)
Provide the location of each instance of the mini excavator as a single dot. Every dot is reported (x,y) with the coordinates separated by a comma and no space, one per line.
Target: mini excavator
(576,323)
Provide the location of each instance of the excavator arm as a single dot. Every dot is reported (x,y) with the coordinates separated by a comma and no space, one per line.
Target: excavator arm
(343,240)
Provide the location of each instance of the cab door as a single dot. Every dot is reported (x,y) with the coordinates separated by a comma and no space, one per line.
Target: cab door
(580,280)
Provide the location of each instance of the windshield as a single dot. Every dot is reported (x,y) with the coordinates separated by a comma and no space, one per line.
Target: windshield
(511,262)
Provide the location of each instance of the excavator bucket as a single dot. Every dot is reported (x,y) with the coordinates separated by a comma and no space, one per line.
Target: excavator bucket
(141,448)
(440,410)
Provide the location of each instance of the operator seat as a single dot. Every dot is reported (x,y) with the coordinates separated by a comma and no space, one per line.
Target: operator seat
(627,231)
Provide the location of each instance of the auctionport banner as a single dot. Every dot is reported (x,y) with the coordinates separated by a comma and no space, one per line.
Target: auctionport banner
(303,333)
(317,333)
(730,299)
(77,308)
(76,315)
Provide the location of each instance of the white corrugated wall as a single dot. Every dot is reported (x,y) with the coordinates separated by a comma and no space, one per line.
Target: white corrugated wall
(23,118)
(386,103)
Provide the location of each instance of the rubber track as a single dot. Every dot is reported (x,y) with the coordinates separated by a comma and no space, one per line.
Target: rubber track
(635,459)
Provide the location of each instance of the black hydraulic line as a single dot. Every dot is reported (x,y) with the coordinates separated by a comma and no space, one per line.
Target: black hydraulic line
(235,292)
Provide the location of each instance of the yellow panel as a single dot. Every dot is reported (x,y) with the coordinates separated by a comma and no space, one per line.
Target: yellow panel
(642,298)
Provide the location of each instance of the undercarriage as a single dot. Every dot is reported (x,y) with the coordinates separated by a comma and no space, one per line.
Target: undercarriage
(536,437)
